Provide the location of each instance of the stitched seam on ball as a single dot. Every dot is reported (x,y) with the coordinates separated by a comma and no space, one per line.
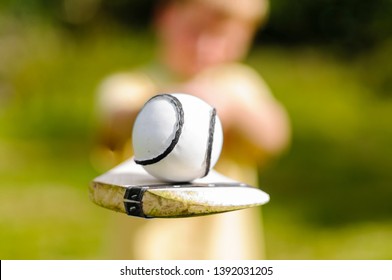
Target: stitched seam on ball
(180,123)
(210,142)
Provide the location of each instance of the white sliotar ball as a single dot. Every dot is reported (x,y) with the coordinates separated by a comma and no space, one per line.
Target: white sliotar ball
(177,137)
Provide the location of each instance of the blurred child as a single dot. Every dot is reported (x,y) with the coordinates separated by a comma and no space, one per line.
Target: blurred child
(200,44)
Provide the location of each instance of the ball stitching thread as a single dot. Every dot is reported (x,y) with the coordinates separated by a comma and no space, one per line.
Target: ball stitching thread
(210,142)
(180,123)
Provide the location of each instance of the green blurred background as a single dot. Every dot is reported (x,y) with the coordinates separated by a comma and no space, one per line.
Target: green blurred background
(328,61)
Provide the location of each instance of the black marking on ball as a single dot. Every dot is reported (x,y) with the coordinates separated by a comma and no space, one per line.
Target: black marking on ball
(180,123)
(210,142)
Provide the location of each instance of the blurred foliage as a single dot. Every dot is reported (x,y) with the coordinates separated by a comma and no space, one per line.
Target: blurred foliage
(376,70)
(351,26)
(340,154)
(330,194)
(348,25)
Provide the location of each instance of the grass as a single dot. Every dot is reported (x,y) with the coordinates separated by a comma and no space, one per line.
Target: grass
(330,194)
